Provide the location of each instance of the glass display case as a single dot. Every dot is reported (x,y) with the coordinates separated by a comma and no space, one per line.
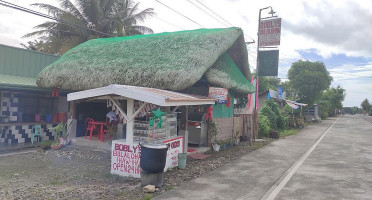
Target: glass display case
(144,132)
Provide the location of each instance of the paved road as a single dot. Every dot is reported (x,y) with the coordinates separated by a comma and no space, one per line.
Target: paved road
(329,160)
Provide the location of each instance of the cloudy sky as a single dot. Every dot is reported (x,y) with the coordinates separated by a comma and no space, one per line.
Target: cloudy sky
(337,33)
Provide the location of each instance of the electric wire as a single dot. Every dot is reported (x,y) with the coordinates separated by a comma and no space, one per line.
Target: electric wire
(179,13)
(165,21)
(20,8)
(221,22)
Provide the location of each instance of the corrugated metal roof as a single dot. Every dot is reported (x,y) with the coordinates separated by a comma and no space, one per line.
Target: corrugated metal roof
(17,81)
(149,95)
(22,62)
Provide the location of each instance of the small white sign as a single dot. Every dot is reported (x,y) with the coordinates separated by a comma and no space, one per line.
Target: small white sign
(269,32)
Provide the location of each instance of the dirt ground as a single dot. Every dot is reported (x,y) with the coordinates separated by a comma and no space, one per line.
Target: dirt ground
(80,173)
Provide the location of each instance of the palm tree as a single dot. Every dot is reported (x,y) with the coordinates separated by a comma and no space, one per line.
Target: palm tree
(101,18)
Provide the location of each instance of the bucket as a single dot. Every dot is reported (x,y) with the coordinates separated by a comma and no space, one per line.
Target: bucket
(182,157)
(55,118)
(62,117)
(153,157)
(48,118)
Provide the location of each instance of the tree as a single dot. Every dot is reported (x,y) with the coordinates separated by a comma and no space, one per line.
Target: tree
(366,106)
(331,100)
(309,79)
(40,46)
(266,83)
(110,17)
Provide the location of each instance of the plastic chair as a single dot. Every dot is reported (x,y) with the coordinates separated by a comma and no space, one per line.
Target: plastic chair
(90,127)
(36,132)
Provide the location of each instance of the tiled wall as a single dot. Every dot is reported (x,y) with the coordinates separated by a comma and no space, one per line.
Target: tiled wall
(22,133)
(10,106)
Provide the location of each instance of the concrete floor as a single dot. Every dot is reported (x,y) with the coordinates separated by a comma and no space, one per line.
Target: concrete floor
(321,162)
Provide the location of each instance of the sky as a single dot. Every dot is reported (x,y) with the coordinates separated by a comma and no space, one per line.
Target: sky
(337,33)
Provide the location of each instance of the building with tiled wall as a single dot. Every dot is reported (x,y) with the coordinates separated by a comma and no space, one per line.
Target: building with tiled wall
(22,103)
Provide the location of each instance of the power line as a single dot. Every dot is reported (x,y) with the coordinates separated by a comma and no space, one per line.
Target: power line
(207,13)
(219,16)
(20,8)
(179,13)
(214,13)
(169,23)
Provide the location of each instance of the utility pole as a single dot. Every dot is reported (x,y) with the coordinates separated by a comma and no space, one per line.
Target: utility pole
(255,111)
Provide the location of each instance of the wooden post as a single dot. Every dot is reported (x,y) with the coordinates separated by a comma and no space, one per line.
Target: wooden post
(183,128)
(72,109)
(130,123)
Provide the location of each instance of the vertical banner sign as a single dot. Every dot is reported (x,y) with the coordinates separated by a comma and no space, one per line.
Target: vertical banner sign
(268,63)
(218,93)
(270,32)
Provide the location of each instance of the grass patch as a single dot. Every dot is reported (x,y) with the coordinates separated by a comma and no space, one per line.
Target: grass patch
(285,133)
(147,197)
(121,193)
(55,181)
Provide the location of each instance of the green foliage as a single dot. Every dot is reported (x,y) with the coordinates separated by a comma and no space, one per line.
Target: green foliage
(366,106)
(267,83)
(330,100)
(113,17)
(277,119)
(147,197)
(356,110)
(263,126)
(214,132)
(61,130)
(288,132)
(309,79)
(46,144)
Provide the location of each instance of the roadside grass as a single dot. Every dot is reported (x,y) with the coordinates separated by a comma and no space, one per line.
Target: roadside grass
(147,197)
(288,132)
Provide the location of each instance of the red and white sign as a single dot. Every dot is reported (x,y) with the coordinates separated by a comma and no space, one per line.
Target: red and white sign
(218,93)
(269,32)
(125,158)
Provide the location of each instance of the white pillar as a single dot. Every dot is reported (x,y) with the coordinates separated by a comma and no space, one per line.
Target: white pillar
(130,122)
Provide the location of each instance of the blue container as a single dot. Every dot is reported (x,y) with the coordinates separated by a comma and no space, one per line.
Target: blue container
(48,118)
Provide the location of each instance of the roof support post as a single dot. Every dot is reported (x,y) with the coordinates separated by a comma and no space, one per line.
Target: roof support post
(130,123)
(119,108)
(183,128)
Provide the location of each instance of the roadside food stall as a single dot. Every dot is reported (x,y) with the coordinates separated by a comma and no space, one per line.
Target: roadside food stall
(156,126)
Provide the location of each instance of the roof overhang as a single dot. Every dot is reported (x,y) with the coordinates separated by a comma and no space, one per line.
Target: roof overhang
(149,95)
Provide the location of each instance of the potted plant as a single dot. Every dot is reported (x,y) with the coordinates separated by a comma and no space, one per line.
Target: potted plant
(61,137)
(215,142)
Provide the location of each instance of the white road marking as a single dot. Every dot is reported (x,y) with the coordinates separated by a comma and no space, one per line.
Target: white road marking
(292,170)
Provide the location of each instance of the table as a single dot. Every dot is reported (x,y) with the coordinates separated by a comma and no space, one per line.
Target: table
(100,130)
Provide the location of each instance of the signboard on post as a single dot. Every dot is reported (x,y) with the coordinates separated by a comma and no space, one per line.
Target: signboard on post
(218,93)
(269,32)
(268,63)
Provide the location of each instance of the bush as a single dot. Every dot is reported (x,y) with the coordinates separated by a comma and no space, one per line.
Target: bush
(266,111)
(263,126)
(277,119)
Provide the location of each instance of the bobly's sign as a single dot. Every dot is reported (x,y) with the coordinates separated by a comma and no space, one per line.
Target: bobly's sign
(269,32)
(125,158)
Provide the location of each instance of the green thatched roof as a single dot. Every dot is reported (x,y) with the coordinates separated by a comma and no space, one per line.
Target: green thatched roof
(172,61)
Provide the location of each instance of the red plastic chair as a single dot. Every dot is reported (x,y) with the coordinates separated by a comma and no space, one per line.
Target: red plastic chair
(90,127)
